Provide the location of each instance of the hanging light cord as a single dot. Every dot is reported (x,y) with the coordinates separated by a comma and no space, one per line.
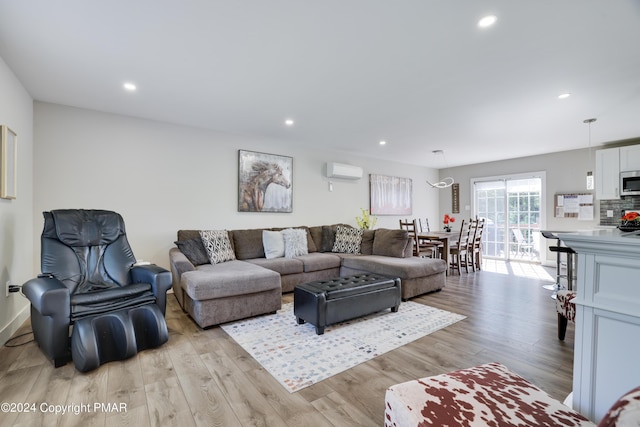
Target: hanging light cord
(589,121)
(590,183)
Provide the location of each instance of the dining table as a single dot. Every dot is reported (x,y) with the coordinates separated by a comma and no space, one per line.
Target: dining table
(441,236)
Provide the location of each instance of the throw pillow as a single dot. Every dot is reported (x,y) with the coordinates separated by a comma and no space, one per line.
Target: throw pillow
(328,238)
(273,242)
(391,243)
(366,248)
(218,245)
(194,250)
(295,242)
(348,240)
(248,243)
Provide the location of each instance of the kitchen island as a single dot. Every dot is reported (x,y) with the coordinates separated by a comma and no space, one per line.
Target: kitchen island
(607,333)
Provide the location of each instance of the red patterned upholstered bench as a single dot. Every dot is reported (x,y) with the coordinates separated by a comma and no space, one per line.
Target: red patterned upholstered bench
(486,395)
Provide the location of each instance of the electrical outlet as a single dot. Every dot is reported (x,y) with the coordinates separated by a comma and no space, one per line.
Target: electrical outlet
(6,289)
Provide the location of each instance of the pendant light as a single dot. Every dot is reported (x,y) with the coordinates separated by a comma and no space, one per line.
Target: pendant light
(590,182)
(445,182)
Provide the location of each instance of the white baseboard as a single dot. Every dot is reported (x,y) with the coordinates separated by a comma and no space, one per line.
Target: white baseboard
(13,326)
(569,400)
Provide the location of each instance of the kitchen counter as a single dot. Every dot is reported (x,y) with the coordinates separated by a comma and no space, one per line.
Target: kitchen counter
(607,333)
(618,242)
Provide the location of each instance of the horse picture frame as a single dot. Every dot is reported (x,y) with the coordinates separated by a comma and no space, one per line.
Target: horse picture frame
(265,182)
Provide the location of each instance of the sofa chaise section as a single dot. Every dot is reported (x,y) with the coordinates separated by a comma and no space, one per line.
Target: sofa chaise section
(417,276)
(214,294)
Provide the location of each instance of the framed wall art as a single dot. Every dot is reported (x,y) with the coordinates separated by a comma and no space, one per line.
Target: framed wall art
(265,182)
(390,195)
(8,163)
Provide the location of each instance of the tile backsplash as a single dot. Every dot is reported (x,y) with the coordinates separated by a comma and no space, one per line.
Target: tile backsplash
(618,207)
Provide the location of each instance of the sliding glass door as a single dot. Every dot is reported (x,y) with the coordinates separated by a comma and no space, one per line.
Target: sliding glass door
(512,206)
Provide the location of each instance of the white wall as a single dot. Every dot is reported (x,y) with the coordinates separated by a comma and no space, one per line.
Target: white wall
(163,177)
(16,218)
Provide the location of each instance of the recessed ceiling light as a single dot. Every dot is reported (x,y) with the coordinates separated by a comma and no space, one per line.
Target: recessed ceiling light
(487,21)
(288,122)
(564,95)
(130,87)
(383,142)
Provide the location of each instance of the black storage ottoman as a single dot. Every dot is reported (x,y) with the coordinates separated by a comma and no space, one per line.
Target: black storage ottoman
(325,302)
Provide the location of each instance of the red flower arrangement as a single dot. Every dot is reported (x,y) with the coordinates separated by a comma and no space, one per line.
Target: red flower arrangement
(448,219)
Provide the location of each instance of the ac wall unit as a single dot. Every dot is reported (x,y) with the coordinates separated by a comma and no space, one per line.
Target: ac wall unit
(340,170)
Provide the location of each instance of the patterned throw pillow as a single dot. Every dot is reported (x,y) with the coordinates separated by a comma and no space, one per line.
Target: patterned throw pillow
(295,242)
(348,240)
(218,245)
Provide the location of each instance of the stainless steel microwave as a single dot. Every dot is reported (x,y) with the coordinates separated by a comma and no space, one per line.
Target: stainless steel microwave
(630,183)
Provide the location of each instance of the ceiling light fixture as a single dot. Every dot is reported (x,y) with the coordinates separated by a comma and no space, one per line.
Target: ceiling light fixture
(590,183)
(487,21)
(564,95)
(130,87)
(445,182)
(383,142)
(288,122)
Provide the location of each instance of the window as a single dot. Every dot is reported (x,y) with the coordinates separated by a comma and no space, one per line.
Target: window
(513,208)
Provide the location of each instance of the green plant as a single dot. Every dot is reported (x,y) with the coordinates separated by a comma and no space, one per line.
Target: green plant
(366,221)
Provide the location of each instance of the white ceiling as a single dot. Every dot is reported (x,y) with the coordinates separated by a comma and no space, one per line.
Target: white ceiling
(417,73)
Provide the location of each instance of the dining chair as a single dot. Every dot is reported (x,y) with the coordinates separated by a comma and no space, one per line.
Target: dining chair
(473,228)
(424,228)
(424,225)
(458,252)
(476,254)
(420,248)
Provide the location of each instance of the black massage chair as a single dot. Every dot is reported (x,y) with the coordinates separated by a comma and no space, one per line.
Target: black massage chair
(92,303)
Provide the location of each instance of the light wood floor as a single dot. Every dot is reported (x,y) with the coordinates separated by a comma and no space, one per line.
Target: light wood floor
(202,377)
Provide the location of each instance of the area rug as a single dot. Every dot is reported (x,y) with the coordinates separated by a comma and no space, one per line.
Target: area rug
(298,358)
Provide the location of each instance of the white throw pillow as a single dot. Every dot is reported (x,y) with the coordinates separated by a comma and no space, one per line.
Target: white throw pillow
(273,242)
(218,245)
(348,240)
(295,242)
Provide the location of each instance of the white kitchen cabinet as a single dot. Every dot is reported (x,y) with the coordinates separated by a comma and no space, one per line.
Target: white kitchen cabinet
(607,331)
(630,158)
(608,174)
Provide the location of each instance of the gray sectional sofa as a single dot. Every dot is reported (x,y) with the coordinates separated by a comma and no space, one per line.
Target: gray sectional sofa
(251,283)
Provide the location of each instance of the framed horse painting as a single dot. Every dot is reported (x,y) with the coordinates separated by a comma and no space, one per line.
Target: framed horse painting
(265,182)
